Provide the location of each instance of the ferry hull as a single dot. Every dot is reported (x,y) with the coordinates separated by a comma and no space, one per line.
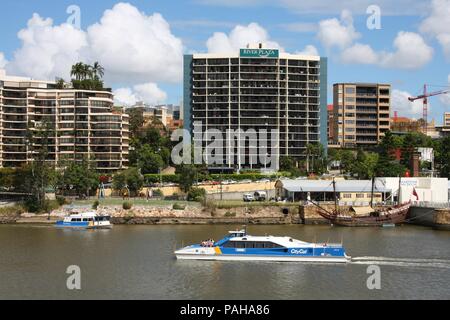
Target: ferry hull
(324,259)
(81,225)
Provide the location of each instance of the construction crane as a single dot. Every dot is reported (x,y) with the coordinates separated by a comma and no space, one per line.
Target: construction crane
(425,97)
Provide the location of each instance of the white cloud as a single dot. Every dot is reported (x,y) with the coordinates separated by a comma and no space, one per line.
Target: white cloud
(3,60)
(148,92)
(47,51)
(238,38)
(131,46)
(437,24)
(359,53)
(402,58)
(338,33)
(309,50)
(411,52)
(404,107)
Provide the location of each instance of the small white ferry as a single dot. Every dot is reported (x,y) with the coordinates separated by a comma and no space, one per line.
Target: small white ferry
(87,220)
(238,245)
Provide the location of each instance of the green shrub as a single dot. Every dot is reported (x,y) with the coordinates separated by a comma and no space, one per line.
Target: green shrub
(12,210)
(127,205)
(61,200)
(196,194)
(158,193)
(230,214)
(178,206)
(95,204)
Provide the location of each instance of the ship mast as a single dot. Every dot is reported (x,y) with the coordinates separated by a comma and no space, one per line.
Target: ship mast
(371,195)
(335,197)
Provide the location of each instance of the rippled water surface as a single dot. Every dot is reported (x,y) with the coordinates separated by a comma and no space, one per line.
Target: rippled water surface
(137,262)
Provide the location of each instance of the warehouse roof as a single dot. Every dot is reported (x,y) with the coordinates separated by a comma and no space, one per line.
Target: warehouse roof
(327,186)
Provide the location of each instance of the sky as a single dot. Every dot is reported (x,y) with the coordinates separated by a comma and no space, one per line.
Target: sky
(141,43)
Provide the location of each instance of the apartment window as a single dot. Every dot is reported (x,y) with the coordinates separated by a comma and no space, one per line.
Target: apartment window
(349,137)
(349,129)
(360,195)
(349,90)
(349,99)
(347,196)
(349,121)
(350,115)
(350,107)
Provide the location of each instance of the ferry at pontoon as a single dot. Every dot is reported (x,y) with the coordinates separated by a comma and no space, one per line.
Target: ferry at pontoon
(87,220)
(238,245)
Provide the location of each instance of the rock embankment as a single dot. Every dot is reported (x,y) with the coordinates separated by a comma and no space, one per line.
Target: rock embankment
(168,215)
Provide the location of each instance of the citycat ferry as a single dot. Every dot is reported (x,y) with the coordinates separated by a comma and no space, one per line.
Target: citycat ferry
(238,245)
(88,220)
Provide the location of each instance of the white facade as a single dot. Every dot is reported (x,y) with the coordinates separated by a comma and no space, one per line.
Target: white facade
(427,189)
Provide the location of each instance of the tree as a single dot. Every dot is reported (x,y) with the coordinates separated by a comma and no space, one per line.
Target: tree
(80,178)
(316,160)
(287,163)
(365,165)
(188,176)
(443,157)
(388,165)
(149,161)
(77,71)
(131,179)
(97,70)
(136,121)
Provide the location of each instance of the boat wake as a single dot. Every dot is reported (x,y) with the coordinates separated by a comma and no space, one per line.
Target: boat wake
(402,262)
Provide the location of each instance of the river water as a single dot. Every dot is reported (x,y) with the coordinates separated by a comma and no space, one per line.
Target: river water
(137,262)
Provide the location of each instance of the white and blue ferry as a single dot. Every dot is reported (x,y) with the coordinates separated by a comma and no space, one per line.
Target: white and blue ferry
(238,245)
(87,220)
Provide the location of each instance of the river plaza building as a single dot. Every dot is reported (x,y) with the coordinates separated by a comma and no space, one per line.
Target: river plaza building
(259,89)
(80,124)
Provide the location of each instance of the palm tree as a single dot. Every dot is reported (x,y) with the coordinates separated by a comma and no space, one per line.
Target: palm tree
(77,71)
(87,72)
(98,70)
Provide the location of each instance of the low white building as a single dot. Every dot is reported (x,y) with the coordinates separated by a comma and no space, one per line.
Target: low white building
(426,189)
(359,192)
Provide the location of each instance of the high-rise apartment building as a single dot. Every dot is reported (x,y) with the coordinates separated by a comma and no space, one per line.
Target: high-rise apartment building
(361,113)
(79,124)
(446,119)
(261,89)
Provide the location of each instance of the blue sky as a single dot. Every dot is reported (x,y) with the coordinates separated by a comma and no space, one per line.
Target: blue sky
(419,58)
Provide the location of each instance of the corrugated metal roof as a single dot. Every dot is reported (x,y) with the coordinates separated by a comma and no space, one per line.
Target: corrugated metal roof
(327,186)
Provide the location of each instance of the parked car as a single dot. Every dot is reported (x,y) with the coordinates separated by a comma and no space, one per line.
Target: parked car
(260,196)
(248,197)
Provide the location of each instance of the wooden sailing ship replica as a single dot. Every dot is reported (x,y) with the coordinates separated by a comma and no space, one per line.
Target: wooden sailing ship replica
(371,218)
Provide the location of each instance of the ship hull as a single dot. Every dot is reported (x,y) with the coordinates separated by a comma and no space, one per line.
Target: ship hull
(315,259)
(394,216)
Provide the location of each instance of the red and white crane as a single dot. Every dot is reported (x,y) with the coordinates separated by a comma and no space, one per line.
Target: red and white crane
(425,97)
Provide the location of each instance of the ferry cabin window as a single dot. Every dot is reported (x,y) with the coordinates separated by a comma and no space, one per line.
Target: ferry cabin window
(251,245)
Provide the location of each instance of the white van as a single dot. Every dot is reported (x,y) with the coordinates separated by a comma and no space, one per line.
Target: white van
(248,197)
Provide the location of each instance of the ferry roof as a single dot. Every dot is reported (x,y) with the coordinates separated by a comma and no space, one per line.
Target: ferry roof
(327,186)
